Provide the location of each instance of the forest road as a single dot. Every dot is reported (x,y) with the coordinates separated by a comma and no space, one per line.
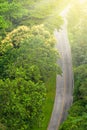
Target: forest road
(64,83)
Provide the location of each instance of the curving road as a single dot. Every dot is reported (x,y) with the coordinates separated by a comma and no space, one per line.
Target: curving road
(64,83)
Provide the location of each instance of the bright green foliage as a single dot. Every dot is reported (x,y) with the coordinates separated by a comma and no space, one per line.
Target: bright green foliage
(10,13)
(36,49)
(3,24)
(21,103)
(28,58)
(14,13)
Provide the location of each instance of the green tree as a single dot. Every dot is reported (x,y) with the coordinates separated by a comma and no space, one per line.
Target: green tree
(36,47)
(10,13)
(27,60)
(21,103)
(14,13)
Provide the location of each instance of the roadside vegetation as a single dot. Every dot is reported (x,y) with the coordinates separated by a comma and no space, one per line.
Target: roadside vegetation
(77,19)
(26,64)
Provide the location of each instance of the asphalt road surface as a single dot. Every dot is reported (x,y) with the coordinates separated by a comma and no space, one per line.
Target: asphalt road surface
(64,83)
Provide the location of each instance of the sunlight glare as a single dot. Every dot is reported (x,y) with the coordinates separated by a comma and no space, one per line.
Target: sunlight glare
(82,1)
(65,11)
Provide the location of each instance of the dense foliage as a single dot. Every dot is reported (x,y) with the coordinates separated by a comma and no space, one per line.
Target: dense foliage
(34,47)
(77,119)
(77,32)
(25,64)
(32,12)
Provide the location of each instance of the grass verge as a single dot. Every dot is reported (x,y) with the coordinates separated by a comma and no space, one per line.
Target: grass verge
(51,89)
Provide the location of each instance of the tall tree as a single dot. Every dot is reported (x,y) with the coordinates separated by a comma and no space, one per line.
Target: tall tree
(28,59)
